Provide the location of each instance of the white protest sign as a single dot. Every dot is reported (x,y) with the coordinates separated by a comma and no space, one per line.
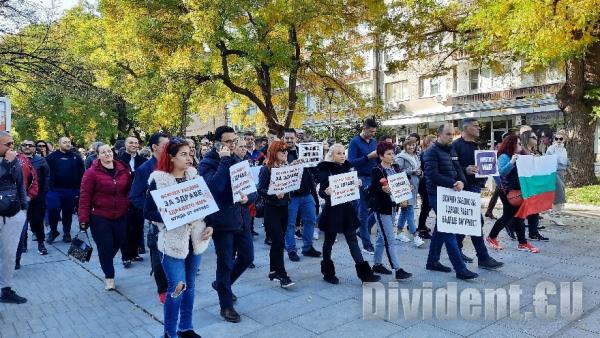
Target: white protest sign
(486,162)
(285,179)
(344,188)
(255,173)
(458,212)
(400,187)
(242,181)
(185,202)
(310,153)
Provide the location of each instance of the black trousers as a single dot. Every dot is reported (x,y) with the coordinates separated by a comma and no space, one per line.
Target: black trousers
(350,240)
(157,270)
(135,229)
(276,218)
(35,216)
(109,236)
(508,218)
(425,209)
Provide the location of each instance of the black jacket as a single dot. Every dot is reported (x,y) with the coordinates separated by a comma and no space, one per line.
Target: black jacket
(342,217)
(11,179)
(380,201)
(307,185)
(215,171)
(442,168)
(66,170)
(137,162)
(43,174)
(466,156)
(264,179)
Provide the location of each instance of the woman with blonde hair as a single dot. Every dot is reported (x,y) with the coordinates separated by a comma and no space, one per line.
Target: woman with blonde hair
(339,219)
(558,148)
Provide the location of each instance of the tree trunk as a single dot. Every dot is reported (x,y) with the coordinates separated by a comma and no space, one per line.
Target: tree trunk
(581,74)
(185,106)
(122,119)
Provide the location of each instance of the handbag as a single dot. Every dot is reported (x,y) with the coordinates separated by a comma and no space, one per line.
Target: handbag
(79,249)
(515,198)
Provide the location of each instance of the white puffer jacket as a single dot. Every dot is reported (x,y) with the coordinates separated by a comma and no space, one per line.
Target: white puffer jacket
(176,242)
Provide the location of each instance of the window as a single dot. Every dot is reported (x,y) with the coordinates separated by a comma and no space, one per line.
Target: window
(430,86)
(473,79)
(396,91)
(364,88)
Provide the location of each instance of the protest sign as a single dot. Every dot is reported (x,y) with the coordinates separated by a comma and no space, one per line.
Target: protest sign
(310,153)
(185,202)
(285,179)
(400,187)
(458,212)
(344,188)
(241,180)
(486,162)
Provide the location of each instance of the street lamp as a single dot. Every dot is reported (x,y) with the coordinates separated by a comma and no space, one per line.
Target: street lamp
(330,92)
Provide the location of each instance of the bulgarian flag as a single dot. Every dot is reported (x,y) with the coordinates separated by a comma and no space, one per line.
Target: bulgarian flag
(537,176)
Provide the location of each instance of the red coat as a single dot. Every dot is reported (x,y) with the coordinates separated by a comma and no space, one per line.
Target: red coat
(29,176)
(101,195)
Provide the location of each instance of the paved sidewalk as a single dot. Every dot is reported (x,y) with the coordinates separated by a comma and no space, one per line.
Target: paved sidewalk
(67,299)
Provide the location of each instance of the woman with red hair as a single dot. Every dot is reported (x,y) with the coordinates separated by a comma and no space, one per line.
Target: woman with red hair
(180,248)
(276,212)
(508,152)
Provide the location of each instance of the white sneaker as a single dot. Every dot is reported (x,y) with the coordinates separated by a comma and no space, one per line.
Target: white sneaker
(418,241)
(558,221)
(401,236)
(109,284)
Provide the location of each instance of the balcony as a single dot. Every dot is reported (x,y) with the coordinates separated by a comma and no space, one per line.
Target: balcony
(511,94)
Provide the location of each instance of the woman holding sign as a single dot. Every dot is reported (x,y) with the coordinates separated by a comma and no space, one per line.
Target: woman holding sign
(275,211)
(180,247)
(339,219)
(380,202)
(103,206)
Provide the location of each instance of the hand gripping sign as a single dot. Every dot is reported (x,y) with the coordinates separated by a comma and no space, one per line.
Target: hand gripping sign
(285,179)
(310,153)
(400,187)
(185,202)
(458,212)
(242,181)
(344,188)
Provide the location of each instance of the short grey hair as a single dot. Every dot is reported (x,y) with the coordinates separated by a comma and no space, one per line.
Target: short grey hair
(4,133)
(466,122)
(441,127)
(329,155)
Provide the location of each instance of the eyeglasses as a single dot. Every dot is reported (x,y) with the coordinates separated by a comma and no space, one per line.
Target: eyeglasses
(558,138)
(27,145)
(533,137)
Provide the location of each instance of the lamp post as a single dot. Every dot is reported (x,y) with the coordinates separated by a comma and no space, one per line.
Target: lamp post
(330,92)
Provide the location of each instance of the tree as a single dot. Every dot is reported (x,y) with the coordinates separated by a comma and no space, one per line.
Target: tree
(540,33)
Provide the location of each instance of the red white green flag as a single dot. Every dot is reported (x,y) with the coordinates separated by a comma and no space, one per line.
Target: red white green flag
(537,176)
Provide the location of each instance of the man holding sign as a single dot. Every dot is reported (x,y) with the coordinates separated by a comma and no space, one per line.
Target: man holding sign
(442,169)
(231,234)
(466,147)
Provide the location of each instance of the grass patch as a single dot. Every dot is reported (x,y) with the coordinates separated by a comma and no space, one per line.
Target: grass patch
(589,195)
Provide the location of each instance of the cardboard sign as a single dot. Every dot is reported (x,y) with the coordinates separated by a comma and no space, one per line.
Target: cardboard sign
(185,202)
(458,212)
(486,162)
(310,153)
(400,187)
(242,181)
(285,179)
(344,188)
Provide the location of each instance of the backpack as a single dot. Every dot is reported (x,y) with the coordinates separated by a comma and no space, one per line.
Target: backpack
(9,199)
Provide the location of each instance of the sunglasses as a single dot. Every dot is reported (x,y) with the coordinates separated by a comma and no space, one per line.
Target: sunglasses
(558,138)
(533,137)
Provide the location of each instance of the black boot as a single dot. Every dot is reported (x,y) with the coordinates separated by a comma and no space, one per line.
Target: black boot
(365,273)
(7,295)
(328,271)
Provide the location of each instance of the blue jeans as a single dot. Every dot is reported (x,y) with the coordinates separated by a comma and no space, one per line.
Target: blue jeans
(57,201)
(179,305)
(407,215)
(385,240)
(438,239)
(305,205)
(235,252)
(362,210)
